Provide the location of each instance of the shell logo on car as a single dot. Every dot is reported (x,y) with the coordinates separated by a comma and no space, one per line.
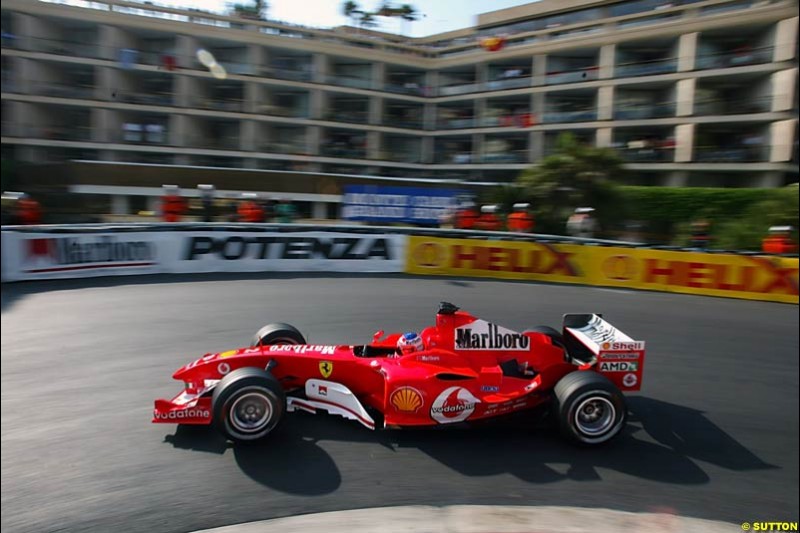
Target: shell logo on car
(406,399)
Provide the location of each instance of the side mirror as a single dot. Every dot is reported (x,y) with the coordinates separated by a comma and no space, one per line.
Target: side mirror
(377,336)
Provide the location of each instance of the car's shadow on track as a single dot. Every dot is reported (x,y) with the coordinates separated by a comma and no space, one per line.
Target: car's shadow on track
(662,443)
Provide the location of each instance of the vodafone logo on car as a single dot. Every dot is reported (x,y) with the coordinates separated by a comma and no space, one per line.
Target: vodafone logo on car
(180,415)
(454,404)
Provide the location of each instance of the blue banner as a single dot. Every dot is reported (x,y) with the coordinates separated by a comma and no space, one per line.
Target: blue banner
(415,205)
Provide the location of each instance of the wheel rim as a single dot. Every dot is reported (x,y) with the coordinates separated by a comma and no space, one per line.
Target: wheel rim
(251,412)
(594,416)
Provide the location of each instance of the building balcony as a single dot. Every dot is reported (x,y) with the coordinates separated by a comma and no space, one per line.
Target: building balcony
(349,81)
(734,106)
(646,68)
(645,111)
(462,88)
(48,132)
(731,154)
(572,76)
(508,83)
(578,115)
(505,157)
(344,152)
(63,90)
(136,97)
(737,58)
(647,154)
(457,123)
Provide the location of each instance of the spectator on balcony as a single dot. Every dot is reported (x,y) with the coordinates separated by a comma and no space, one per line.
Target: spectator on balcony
(521,219)
(173,205)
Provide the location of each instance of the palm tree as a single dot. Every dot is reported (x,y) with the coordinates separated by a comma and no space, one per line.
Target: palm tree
(351,10)
(408,13)
(368,20)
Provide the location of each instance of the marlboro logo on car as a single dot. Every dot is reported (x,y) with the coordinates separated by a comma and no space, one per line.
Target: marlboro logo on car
(482,335)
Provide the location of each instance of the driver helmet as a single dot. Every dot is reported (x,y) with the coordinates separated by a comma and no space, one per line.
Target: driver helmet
(409,343)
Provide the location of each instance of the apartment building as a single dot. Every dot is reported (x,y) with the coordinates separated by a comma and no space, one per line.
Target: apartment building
(691,93)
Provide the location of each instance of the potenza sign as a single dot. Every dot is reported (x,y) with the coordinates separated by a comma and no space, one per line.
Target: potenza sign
(247,251)
(482,335)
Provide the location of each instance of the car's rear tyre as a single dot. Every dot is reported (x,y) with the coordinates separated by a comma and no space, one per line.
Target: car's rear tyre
(556,336)
(590,409)
(248,404)
(277,333)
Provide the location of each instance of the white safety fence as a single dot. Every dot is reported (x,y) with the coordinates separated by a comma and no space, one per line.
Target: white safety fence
(49,255)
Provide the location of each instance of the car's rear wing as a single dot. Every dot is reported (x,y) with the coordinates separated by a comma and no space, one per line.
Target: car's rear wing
(592,341)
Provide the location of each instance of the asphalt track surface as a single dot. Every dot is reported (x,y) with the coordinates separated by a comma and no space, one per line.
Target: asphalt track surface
(714,434)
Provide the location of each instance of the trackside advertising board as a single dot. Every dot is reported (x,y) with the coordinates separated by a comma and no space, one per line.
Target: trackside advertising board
(753,277)
(565,263)
(78,255)
(728,275)
(226,251)
(415,205)
(29,256)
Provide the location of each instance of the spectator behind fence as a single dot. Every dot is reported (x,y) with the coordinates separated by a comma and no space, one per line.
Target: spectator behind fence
(489,219)
(466,216)
(581,223)
(173,205)
(29,211)
(521,220)
(249,209)
(779,241)
(700,231)
(207,201)
(285,211)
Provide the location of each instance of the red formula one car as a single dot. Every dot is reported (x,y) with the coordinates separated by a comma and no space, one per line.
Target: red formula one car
(465,369)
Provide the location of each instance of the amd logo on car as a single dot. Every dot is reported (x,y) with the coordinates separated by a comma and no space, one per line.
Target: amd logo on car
(619,366)
(277,247)
(482,335)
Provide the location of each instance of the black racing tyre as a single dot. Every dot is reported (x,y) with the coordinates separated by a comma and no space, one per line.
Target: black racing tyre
(277,333)
(555,336)
(248,404)
(590,409)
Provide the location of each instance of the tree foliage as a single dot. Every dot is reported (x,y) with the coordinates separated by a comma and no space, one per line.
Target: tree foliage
(576,175)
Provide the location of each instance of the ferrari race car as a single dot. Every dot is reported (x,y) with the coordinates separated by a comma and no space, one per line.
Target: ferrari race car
(466,369)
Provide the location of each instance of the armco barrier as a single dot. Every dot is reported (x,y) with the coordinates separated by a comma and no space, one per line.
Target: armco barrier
(45,252)
(728,275)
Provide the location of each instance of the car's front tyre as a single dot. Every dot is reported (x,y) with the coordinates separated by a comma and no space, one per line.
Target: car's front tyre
(248,404)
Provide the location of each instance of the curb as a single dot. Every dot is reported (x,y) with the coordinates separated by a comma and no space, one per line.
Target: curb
(482,519)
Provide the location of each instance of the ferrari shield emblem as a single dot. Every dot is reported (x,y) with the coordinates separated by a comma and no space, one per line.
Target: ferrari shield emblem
(325,368)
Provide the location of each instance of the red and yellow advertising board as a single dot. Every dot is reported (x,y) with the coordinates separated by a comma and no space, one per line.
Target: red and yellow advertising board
(727,275)
(562,263)
(752,277)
